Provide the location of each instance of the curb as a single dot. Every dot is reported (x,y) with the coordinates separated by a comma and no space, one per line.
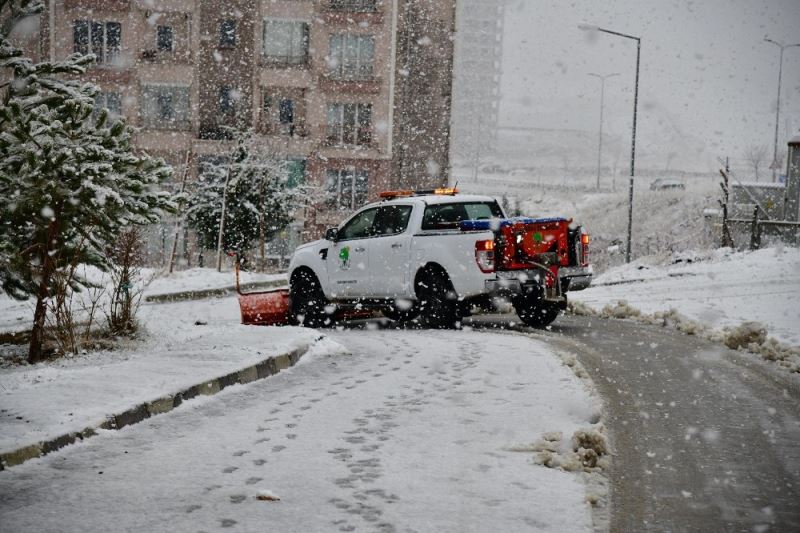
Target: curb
(213,293)
(263,369)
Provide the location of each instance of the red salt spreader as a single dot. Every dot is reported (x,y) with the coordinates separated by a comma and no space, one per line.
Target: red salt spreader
(262,308)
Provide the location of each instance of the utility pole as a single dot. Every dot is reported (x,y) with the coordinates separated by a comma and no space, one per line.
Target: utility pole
(179,222)
(591,27)
(222,220)
(600,136)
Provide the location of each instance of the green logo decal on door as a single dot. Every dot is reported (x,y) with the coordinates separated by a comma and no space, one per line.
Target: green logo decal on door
(344,257)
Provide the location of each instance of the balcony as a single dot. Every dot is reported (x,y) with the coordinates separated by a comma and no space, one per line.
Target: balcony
(352,11)
(166,124)
(335,83)
(286,130)
(156,56)
(352,6)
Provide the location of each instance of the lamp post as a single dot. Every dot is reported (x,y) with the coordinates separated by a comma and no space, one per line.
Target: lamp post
(774,166)
(590,27)
(600,136)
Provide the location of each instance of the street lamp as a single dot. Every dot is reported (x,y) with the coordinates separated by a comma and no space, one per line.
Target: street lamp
(592,27)
(774,166)
(600,137)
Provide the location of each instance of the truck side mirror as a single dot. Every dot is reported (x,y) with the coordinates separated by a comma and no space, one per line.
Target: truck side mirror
(331,234)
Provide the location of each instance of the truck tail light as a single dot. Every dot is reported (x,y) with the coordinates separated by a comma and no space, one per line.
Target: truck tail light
(484,255)
(584,257)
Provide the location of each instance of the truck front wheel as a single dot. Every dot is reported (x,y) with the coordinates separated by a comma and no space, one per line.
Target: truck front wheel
(534,311)
(308,302)
(438,303)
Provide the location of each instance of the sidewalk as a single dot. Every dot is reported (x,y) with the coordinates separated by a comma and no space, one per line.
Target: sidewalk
(191,348)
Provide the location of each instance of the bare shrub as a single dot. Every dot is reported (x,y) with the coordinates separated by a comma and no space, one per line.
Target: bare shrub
(60,318)
(126,257)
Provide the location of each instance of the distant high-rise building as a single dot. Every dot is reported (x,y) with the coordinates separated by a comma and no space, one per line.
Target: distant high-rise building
(354,93)
(476,86)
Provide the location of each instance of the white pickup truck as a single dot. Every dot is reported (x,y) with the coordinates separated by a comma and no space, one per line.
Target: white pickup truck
(437,255)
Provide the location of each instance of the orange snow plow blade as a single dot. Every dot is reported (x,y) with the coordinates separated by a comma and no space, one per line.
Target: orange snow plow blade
(265,308)
(268,308)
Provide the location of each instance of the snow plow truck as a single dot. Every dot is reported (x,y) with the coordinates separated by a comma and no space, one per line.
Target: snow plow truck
(436,256)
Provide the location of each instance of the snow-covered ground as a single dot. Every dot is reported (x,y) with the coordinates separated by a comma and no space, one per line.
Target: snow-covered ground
(721,288)
(409,431)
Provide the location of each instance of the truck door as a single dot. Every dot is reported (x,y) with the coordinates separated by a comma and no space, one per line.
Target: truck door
(348,258)
(389,252)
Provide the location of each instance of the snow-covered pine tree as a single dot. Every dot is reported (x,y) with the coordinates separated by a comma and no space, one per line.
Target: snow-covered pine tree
(69,184)
(259,200)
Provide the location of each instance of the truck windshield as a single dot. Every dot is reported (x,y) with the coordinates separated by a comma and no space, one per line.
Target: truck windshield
(447,216)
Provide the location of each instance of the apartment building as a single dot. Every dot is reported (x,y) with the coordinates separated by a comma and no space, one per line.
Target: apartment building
(477,72)
(355,94)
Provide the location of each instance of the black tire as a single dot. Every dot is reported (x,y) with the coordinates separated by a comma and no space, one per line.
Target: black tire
(534,311)
(401,316)
(438,303)
(307,302)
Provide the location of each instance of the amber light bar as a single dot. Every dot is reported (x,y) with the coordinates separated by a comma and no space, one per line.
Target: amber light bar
(449,191)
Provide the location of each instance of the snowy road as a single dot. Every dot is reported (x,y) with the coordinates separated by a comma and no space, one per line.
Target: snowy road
(410,431)
(705,439)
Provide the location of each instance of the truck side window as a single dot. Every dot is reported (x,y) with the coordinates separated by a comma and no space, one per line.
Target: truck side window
(447,216)
(359,227)
(392,219)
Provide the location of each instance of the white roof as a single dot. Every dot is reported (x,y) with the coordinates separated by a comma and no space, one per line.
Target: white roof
(760,185)
(432,199)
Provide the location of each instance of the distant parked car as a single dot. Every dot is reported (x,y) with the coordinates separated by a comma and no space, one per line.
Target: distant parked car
(493,168)
(665,184)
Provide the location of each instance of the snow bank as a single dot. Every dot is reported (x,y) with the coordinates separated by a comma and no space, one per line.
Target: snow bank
(195,279)
(745,300)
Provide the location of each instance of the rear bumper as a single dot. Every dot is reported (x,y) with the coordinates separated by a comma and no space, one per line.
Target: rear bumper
(513,282)
(575,278)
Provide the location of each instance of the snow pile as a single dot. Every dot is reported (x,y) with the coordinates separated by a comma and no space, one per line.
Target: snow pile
(744,335)
(267,496)
(587,451)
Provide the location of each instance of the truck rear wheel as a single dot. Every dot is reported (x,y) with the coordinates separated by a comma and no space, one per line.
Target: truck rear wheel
(534,311)
(438,303)
(308,302)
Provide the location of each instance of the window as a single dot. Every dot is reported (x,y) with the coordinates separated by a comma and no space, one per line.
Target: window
(164,39)
(353,5)
(165,107)
(283,111)
(447,216)
(350,124)
(351,56)
(107,100)
(285,42)
(359,227)
(227,33)
(346,188)
(103,39)
(227,100)
(286,111)
(392,219)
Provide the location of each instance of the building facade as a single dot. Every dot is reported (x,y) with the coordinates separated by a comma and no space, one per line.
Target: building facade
(478,68)
(355,94)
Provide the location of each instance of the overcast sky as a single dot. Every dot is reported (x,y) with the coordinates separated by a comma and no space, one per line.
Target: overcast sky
(708,81)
